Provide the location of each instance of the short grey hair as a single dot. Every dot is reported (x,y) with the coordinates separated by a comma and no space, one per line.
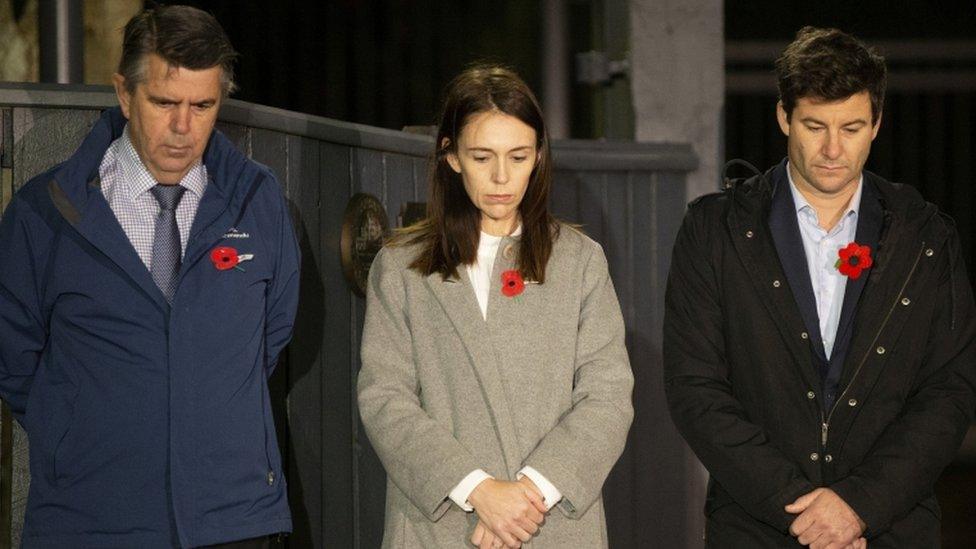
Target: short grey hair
(183,36)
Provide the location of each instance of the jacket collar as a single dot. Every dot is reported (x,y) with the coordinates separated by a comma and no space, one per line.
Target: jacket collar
(75,192)
(894,217)
(785,232)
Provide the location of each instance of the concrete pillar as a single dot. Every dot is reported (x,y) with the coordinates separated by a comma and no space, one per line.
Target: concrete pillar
(678,91)
(678,79)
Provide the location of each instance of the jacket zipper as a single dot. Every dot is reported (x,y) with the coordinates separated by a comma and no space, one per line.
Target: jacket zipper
(825,422)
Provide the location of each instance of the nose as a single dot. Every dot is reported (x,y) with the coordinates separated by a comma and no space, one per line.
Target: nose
(180,120)
(500,174)
(832,148)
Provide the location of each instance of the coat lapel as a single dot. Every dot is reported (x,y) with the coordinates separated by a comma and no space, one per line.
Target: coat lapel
(881,285)
(870,219)
(457,299)
(785,231)
(206,230)
(748,223)
(98,225)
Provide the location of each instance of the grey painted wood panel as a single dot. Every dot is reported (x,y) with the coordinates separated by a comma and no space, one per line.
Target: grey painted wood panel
(44,137)
(305,474)
(238,134)
(337,347)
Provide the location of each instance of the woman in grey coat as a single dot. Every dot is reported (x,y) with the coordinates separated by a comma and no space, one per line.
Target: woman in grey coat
(495,385)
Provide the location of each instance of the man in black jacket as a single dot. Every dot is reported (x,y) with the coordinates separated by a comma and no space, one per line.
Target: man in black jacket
(820,335)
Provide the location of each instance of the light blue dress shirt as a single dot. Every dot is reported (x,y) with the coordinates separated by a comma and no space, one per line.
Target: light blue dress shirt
(821,248)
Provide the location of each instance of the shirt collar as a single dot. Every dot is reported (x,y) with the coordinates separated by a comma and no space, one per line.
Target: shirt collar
(137,179)
(801,204)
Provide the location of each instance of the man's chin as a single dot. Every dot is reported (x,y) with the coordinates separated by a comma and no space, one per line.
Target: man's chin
(171,173)
(835,183)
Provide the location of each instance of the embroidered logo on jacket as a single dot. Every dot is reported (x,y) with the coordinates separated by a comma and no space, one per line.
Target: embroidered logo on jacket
(234,233)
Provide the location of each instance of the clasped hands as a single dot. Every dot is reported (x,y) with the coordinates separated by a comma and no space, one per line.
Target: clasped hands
(508,512)
(825,521)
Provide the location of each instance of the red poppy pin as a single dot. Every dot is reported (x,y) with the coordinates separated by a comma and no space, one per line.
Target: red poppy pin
(512,283)
(853,259)
(225,258)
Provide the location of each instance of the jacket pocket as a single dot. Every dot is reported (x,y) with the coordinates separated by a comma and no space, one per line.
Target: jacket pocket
(56,407)
(271,452)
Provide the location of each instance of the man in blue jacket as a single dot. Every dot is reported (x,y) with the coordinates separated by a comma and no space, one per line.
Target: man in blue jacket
(147,287)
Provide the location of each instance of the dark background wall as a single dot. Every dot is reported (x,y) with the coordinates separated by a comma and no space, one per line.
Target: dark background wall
(386,62)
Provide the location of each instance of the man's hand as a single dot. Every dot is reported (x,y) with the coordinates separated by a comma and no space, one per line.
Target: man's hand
(825,521)
(510,510)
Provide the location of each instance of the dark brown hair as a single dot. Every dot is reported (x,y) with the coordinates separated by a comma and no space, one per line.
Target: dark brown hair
(183,36)
(450,233)
(828,65)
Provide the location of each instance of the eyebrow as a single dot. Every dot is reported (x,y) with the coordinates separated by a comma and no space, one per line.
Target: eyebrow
(161,99)
(486,149)
(809,120)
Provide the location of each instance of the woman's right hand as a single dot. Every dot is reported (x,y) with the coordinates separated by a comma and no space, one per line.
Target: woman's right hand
(512,511)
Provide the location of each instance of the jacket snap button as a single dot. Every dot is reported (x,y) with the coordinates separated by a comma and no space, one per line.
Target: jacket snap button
(804,335)
(905,301)
(749,234)
(814,456)
(880,350)
(852,402)
(828,458)
(811,395)
(929,252)
(776,284)
(270,478)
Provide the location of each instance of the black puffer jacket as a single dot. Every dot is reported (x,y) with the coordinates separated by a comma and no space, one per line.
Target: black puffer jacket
(744,392)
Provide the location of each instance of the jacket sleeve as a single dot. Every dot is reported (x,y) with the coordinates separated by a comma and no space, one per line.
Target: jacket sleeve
(282,293)
(23,334)
(420,455)
(577,454)
(905,462)
(736,452)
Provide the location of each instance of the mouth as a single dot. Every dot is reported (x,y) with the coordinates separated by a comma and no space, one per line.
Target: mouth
(176,151)
(498,198)
(832,169)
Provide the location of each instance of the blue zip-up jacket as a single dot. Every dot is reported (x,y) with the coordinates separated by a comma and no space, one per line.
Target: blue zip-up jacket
(150,425)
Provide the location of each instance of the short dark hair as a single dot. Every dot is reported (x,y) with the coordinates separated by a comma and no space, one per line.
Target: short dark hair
(828,65)
(183,36)
(450,234)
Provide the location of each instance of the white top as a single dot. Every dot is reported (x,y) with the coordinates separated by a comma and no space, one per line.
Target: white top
(480,271)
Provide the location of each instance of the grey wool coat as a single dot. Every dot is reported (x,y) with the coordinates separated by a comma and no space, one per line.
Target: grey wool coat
(545,381)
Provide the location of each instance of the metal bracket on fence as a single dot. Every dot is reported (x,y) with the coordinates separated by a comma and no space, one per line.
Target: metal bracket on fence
(595,68)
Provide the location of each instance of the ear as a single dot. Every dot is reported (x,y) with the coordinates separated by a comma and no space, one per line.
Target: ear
(782,118)
(877,126)
(452,157)
(122,93)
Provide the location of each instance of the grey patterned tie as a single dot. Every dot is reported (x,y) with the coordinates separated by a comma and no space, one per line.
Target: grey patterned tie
(166,250)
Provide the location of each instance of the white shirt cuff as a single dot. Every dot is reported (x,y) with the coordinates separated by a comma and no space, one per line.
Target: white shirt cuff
(550,494)
(460,493)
